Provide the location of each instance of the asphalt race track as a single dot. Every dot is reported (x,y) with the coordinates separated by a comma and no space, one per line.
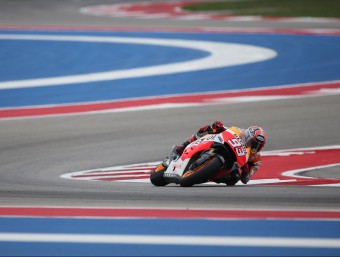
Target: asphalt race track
(36,152)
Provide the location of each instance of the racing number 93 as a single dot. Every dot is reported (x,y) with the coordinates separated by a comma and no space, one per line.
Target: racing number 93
(237,146)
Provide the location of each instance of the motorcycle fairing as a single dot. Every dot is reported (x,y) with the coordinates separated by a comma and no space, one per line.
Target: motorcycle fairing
(177,166)
(175,170)
(200,145)
(227,136)
(237,145)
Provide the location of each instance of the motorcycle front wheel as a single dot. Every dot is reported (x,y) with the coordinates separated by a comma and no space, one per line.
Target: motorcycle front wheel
(202,173)
(156,176)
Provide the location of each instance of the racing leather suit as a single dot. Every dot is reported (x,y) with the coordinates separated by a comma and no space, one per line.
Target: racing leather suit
(254,161)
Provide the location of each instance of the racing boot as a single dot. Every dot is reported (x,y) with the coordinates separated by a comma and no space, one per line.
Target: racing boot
(245,174)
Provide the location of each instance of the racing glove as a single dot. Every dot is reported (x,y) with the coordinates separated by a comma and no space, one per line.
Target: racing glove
(216,127)
(180,148)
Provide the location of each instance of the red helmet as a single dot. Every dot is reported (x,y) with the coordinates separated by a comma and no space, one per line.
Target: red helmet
(255,138)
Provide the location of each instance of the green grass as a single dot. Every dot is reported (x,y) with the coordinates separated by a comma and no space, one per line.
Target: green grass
(274,8)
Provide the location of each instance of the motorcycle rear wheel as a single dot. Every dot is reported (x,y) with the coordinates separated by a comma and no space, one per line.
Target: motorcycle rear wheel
(156,176)
(202,173)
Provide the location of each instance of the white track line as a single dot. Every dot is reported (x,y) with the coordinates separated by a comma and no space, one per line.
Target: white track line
(173,240)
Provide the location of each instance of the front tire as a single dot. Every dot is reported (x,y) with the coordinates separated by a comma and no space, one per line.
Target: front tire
(202,173)
(156,176)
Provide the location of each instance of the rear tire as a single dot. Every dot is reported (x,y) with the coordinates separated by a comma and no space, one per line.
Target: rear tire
(156,176)
(202,173)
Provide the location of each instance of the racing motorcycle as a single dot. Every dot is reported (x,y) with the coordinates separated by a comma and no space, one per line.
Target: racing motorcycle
(213,157)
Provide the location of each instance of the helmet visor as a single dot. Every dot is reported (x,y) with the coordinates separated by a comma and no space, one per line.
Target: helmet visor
(256,144)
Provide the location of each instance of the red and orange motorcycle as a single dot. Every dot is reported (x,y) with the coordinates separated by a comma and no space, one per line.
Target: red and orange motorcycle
(213,157)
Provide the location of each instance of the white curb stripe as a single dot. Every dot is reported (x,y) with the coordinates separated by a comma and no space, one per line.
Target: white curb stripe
(173,240)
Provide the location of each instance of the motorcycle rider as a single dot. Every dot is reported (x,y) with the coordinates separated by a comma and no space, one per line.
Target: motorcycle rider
(253,137)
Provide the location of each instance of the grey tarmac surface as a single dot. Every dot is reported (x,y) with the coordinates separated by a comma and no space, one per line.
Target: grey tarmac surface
(35,152)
